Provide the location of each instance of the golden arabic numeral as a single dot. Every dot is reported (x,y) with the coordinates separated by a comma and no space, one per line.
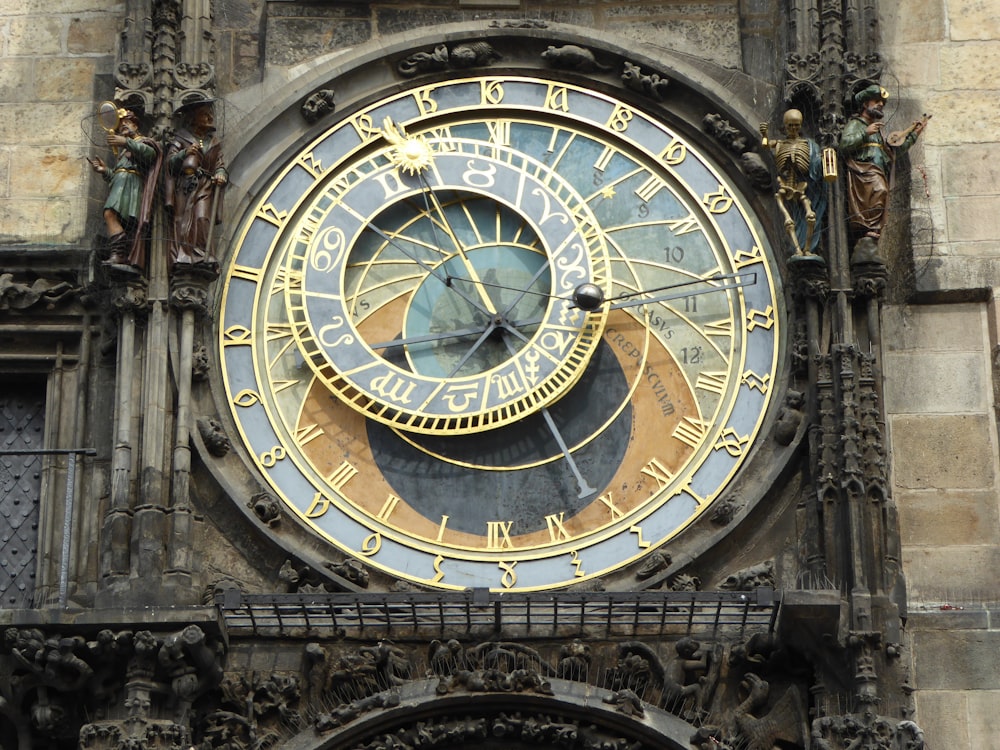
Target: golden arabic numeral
(272,215)
(674,153)
(438,573)
(371,545)
(718,202)
(311,164)
(509,578)
(237,336)
(557,97)
(620,119)
(760,318)
(491,92)
(732,442)
(269,458)
(246,398)
(577,563)
(642,543)
(365,127)
(743,258)
(425,102)
(320,505)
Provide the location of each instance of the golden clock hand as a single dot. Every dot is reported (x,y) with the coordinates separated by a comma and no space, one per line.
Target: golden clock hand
(443,278)
(430,197)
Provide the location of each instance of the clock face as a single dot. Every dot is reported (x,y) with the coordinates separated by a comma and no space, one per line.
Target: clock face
(499,332)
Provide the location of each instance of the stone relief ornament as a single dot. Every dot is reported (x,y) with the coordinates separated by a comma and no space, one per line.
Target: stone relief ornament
(318,104)
(21,295)
(266,508)
(575,58)
(460,56)
(214,436)
(650,84)
(750,578)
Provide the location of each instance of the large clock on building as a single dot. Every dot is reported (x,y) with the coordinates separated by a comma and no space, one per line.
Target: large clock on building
(499,332)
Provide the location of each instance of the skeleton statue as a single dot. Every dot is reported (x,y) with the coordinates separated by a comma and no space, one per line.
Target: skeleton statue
(800,179)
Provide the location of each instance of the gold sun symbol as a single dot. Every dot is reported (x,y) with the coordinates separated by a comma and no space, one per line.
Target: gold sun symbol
(412,153)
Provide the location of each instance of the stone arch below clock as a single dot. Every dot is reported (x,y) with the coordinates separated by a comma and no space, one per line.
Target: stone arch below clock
(565,715)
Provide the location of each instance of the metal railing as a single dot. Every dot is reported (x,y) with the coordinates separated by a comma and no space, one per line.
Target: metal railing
(488,613)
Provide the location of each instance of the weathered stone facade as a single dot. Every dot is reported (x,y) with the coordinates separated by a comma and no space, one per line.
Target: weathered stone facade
(138,624)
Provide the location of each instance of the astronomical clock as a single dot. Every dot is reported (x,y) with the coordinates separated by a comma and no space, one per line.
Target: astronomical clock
(499,330)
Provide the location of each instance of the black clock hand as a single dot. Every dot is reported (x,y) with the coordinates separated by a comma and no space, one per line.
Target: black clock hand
(427,337)
(732,281)
(473,349)
(584,487)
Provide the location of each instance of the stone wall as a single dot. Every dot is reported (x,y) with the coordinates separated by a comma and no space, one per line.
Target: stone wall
(50,57)
(939,368)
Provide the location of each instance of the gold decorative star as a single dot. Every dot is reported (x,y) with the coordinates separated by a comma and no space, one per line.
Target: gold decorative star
(608,192)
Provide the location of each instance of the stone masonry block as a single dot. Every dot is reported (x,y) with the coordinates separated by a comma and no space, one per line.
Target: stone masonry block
(915,66)
(16,79)
(65,79)
(972,169)
(972,19)
(973,218)
(942,715)
(983,718)
(948,517)
(925,383)
(44,124)
(91,33)
(979,269)
(957,327)
(943,451)
(53,170)
(911,21)
(957,660)
(959,117)
(712,38)
(970,66)
(36,35)
(41,220)
(955,574)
